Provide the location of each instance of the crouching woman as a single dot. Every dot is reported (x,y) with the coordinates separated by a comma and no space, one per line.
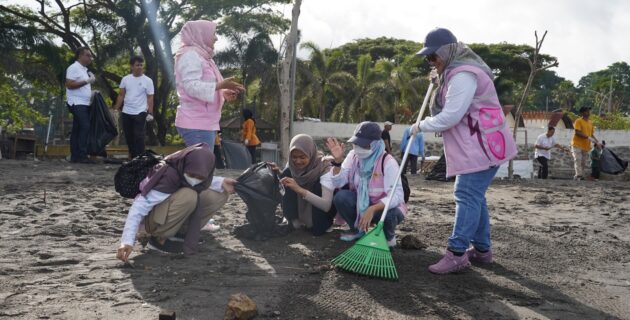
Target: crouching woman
(370,173)
(177,198)
(309,191)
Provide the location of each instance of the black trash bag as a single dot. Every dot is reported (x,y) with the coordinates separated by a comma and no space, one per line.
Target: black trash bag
(259,187)
(102,126)
(438,172)
(131,173)
(610,163)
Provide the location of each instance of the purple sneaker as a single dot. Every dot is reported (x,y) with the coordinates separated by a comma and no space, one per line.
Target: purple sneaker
(479,257)
(450,263)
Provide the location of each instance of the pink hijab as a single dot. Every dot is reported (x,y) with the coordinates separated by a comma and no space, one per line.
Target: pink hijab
(195,36)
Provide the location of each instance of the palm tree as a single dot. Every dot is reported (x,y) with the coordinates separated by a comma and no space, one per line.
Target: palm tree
(322,80)
(564,94)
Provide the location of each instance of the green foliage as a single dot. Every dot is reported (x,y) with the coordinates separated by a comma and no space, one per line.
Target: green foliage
(611,121)
(15,112)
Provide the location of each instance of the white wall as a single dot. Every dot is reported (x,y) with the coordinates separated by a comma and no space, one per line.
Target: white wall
(614,138)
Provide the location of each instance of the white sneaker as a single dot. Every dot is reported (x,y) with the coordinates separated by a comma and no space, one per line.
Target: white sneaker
(211,226)
(392,243)
(329,230)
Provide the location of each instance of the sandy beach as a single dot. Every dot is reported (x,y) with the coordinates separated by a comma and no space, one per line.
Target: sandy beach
(562,252)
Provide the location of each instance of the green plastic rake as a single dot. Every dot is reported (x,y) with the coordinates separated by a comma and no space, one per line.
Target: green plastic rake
(370,255)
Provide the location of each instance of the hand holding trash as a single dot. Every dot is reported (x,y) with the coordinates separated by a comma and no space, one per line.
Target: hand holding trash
(228,185)
(91,78)
(149,117)
(123,252)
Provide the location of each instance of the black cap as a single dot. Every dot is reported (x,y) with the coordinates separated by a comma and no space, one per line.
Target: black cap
(435,39)
(365,133)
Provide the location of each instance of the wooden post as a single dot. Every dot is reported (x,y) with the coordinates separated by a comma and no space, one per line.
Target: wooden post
(285,84)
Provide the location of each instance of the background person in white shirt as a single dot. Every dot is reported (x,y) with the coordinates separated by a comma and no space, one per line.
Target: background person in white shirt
(136,96)
(543,146)
(78,93)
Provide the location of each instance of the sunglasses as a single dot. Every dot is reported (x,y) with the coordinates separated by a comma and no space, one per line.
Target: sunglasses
(432,57)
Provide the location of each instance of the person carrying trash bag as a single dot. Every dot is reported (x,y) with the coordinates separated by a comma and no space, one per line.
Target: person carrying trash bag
(477,140)
(370,173)
(309,190)
(177,198)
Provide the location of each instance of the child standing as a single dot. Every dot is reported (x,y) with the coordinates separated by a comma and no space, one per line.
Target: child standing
(595,155)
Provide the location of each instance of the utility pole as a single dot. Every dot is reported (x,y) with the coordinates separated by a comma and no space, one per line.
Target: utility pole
(547,104)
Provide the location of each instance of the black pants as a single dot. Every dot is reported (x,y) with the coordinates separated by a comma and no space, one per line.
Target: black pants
(134,126)
(80,130)
(218,157)
(252,152)
(321,220)
(543,170)
(413,160)
(595,172)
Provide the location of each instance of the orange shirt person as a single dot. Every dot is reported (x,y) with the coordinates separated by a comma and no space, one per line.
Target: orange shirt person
(248,133)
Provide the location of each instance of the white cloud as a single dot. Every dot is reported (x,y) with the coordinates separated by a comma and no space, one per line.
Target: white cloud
(585,35)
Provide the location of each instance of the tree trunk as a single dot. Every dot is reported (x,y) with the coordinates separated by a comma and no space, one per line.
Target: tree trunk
(285,84)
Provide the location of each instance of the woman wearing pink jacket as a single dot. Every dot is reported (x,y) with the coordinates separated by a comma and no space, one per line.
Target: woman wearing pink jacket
(477,140)
(200,86)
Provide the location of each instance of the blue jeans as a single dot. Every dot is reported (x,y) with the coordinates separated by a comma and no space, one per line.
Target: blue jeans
(472,222)
(80,130)
(194,136)
(346,203)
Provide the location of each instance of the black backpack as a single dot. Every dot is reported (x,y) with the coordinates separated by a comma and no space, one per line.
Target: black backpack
(403,179)
(131,173)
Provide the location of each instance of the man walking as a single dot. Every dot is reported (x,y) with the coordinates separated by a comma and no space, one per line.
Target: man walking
(136,94)
(78,94)
(581,142)
(544,143)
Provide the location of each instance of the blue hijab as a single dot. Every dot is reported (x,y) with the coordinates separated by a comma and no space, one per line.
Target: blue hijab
(366,167)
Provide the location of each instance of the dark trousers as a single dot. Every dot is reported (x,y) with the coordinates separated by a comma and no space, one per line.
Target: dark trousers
(543,170)
(134,126)
(413,160)
(595,170)
(252,152)
(80,130)
(218,157)
(321,220)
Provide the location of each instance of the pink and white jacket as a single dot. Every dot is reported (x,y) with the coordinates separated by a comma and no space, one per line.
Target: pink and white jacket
(200,102)
(481,139)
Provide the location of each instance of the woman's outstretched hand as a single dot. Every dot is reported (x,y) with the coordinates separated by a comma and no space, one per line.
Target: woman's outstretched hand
(336,148)
(230,84)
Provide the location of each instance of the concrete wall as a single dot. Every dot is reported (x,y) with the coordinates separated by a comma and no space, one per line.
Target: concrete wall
(560,166)
(613,138)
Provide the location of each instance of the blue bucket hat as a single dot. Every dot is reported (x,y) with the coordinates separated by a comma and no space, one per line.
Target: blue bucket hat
(435,39)
(365,133)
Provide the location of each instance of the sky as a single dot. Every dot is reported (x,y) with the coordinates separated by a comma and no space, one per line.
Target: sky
(585,35)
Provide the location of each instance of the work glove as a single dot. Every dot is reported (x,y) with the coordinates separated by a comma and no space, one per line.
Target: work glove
(415,128)
(91,79)
(246,142)
(149,117)
(433,76)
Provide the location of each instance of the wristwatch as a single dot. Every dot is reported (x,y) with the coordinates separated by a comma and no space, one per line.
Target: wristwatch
(335,164)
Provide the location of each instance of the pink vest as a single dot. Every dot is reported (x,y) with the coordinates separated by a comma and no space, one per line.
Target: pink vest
(482,139)
(193,113)
(376,186)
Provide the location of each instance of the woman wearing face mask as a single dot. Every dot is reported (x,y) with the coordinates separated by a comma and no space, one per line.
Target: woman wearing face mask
(200,86)
(370,174)
(309,190)
(466,110)
(177,198)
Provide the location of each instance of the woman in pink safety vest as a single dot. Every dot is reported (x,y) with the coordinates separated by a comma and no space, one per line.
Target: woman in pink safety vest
(477,140)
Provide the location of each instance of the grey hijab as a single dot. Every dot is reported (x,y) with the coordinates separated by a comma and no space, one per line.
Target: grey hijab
(455,55)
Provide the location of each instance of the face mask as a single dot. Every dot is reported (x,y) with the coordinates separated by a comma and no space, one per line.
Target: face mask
(362,153)
(192,181)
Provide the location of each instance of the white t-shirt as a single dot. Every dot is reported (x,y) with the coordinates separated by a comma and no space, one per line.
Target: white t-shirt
(546,142)
(81,95)
(136,91)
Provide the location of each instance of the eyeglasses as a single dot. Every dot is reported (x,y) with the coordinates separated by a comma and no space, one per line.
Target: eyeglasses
(432,57)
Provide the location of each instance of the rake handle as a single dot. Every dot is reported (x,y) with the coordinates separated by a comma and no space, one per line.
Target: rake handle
(406,154)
